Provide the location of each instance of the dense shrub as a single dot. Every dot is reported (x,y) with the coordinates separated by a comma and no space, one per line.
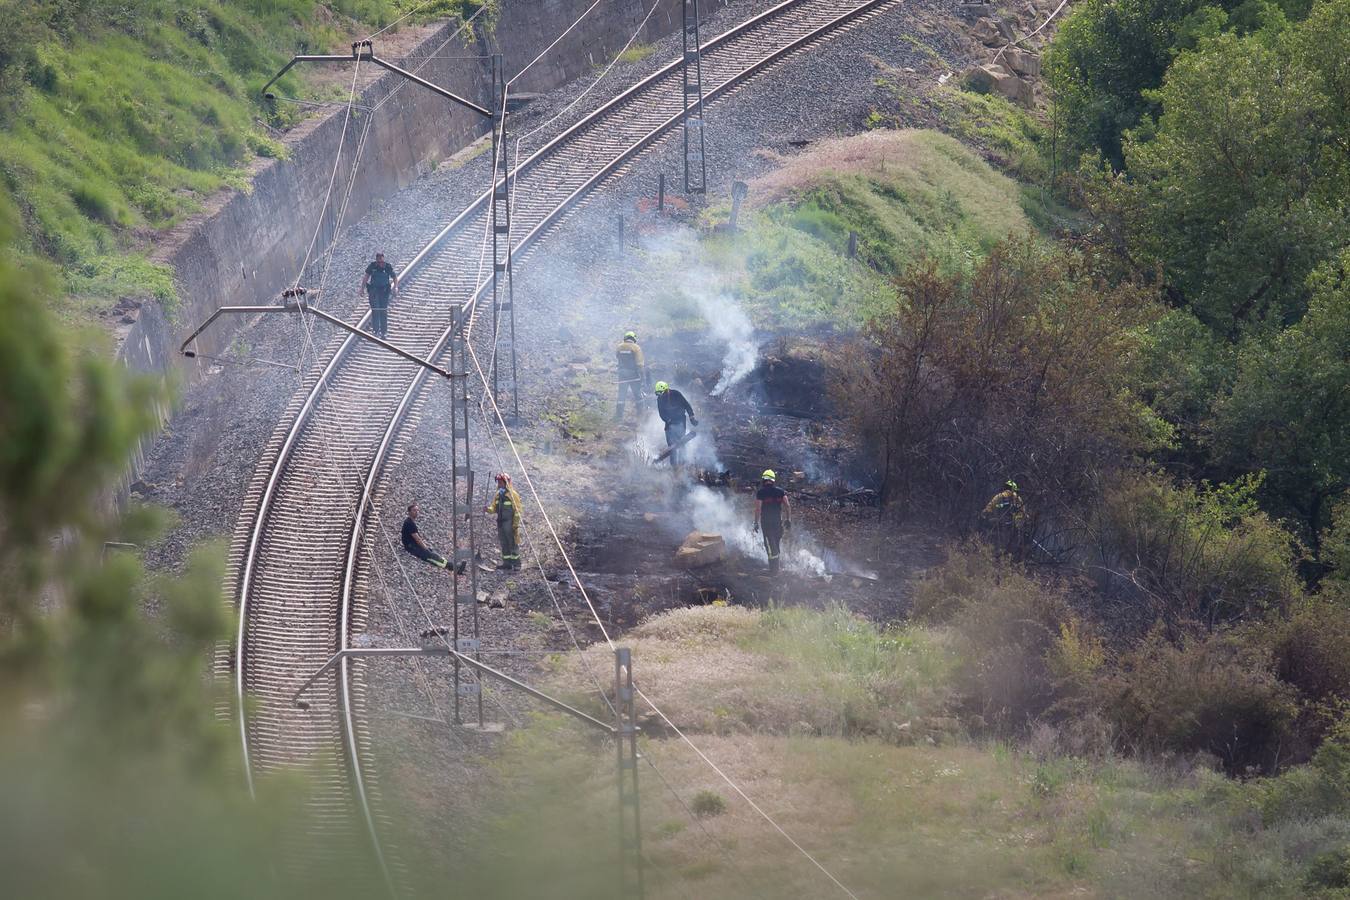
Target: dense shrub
(1023,651)
(1312,653)
(1217,695)
(1190,557)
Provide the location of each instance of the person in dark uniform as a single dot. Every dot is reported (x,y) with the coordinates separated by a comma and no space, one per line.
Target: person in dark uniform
(673,408)
(506,504)
(379,283)
(632,373)
(415,544)
(773,515)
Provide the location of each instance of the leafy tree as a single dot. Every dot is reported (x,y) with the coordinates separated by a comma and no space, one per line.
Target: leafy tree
(1110,54)
(1017,369)
(116,777)
(1233,196)
(1289,411)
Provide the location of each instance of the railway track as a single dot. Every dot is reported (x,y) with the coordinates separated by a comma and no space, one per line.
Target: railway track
(299,561)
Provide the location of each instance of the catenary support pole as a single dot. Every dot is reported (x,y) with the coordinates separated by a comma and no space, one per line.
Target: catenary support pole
(631,881)
(695,167)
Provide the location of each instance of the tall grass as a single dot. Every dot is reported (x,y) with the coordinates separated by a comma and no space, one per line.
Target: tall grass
(906,194)
(120,118)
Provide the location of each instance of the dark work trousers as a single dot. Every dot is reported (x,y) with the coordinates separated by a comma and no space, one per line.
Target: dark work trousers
(773,539)
(629,388)
(510,552)
(675,431)
(379,313)
(426,555)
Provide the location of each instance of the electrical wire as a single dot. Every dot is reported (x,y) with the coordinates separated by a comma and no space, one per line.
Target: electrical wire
(332,178)
(1039,29)
(743,795)
(560,113)
(555,43)
(501,421)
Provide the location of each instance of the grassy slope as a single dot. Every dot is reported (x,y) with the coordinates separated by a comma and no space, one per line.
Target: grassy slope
(906,194)
(122,118)
(917,811)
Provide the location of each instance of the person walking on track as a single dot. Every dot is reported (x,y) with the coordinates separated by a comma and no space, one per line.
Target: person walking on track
(380,283)
(632,374)
(773,516)
(414,543)
(506,504)
(673,408)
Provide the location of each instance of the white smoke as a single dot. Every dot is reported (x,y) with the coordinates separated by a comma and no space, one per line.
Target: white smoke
(715,512)
(727,322)
(649,441)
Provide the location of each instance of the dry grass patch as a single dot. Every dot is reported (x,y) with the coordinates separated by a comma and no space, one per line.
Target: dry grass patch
(727,670)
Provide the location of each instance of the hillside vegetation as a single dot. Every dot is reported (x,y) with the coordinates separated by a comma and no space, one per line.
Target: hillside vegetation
(118,120)
(907,195)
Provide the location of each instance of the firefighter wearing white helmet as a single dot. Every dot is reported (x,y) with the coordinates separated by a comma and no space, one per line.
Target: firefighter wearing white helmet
(773,516)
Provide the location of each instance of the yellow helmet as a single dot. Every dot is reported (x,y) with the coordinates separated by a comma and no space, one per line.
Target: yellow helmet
(630,336)
(661,387)
(769,475)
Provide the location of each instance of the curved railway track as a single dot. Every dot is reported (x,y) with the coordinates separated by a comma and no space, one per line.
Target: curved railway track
(299,564)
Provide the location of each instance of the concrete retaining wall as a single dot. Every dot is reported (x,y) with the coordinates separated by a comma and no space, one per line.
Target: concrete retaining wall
(247,250)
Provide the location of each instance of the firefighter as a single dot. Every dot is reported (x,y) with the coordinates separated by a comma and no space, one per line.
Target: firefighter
(415,544)
(672,407)
(773,516)
(1006,513)
(506,504)
(632,371)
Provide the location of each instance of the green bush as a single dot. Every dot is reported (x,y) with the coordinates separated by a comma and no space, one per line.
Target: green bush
(1193,557)
(707,804)
(1023,651)
(1330,871)
(1312,652)
(1217,695)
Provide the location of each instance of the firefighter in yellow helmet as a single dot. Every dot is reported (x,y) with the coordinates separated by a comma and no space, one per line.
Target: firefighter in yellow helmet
(632,371)
(506,504)
(1006,513)
(773,515)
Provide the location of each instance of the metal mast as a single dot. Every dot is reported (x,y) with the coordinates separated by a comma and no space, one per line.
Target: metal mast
(695,167)
(503,286)
(464,590)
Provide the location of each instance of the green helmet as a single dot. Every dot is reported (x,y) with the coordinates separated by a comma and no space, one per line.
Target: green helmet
(1012,485)
(661,387)
(769,475)
(630,336)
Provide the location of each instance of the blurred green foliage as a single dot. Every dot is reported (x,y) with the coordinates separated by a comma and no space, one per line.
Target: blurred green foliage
(1227,125)
(117,778)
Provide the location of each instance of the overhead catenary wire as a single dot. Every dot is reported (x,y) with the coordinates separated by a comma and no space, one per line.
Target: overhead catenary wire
(332,178)
(556,42)
(601,77)
(742,794)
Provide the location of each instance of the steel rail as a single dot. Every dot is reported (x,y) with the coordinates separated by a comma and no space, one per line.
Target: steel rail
(352,368)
